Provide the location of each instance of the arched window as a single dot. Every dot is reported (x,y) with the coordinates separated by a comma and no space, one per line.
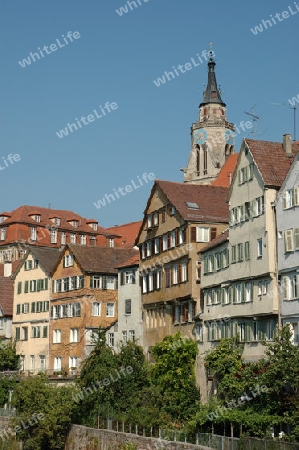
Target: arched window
(205,160)
(198,160)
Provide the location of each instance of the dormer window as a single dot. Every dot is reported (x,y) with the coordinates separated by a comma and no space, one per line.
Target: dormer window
(213,94)
(37,218)
(56,220)
(93,225)
(74,223)
(149,221)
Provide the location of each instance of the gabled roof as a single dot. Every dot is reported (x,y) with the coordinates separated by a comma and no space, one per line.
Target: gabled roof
(134,261)
(100,259)
(22,215)
(291,169)
(226,173)
(220,239)
(271,160)
(47,258)
(6,295)
(127,231)
(211,201)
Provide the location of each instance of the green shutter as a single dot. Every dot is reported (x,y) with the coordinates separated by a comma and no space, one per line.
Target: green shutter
(46,284)
(26,287)
(19,309)
(33,307)
(45,331)
(38,285)
(17,334)
(19,287)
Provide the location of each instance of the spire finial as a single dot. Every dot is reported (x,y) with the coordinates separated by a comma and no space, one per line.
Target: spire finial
(211,53)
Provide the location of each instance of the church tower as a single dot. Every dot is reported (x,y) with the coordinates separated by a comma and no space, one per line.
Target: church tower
(212,136)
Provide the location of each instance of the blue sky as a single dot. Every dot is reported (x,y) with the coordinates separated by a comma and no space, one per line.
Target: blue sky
(116,60)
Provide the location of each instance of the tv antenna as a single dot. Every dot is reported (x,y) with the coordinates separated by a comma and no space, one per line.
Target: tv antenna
(294,107)
(255,120)
(254,117)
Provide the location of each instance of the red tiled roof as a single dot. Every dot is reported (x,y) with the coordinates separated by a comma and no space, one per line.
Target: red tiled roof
(6,295)
(222,237)
(211,201)
(226,173)
(128,232)
(134,261)
(100,259)
(22,215)
(271,159)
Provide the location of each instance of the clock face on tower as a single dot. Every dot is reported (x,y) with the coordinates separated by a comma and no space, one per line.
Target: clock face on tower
(229,137)
(200,136)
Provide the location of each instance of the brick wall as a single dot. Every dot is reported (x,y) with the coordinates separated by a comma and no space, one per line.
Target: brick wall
(83,438)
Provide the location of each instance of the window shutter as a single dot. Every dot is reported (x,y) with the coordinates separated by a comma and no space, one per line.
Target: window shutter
(285,282)
(193,234)
(104,282)
(18,309)
(26,287)
(33,307)
(239,177)
(288,241)
(168,240)
(177,236)
(19,287)
(23,309)
(296,196)
(122,278)
(284,200)
(38,285)
(173,313)
(213,233)
(186,312)
(296,238)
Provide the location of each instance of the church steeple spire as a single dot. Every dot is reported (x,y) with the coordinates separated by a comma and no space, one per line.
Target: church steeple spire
(212,93)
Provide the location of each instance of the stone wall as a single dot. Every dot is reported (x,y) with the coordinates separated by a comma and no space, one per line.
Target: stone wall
(83,438)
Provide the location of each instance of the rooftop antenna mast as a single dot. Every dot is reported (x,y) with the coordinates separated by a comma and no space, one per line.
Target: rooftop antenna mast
(254,117)
(294,107)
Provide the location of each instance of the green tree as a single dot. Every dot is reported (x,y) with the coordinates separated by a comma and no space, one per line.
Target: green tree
(9,361)
(44,413)
(174,374)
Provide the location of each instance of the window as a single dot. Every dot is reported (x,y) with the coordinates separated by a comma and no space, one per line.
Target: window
(240,252)
(56,336)
(24,334)
(238,293)
(111,242)
(130,277)
(168,276)
(150,282)
(54,312)
(128,306)
(110,310)
(163,215)
(110,283)
(95,281)
(225,296)
(157,246)
(42,363)
(291,240)
(148,248)
(172,239)
(73,238)
(259,248)
(33,234)
(177,313)
(184,274)
(28,264)
(111,339)
(149,221)
(175,274)
(57,363)
(247,250)
(35,332)
(32,362)
(182,236)
(131,335)
(73,362)
(144,284)
(124,336)
(288,199)
(68,260)
(248,292)
(53,236)
(156,218)
(83,239)
(25,308)
(165,242)
(291,287)
(200,234)
(2,234)
(96,309)
(233,250)
(74,335)
(32,286)
(63,238)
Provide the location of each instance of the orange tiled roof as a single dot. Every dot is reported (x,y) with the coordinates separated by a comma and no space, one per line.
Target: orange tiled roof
(222,237)
(226,173)
(128,232)
(6,295)
(211,201)
(134,261)
(100,259)
(15,266)
(271,159)
(22,215)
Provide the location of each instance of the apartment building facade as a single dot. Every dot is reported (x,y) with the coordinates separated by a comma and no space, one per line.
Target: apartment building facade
(179,220)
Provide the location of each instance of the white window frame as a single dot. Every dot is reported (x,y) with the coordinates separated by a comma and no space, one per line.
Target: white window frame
(73,362)
(202,234)
(110,309)
(33,234)
(56,336)
(111,339)
(96,309)
(83,239)
(259,248)
(53,236)
(73,238)
(63,238)
(57,363)
(74,335)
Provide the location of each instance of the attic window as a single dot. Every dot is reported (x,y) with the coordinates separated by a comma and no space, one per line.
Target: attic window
(56,220)
(192,205)
(213,94)
(74,223)
(93,225)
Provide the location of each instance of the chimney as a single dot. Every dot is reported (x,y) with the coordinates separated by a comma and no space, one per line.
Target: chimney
(7,269)
(287,143)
